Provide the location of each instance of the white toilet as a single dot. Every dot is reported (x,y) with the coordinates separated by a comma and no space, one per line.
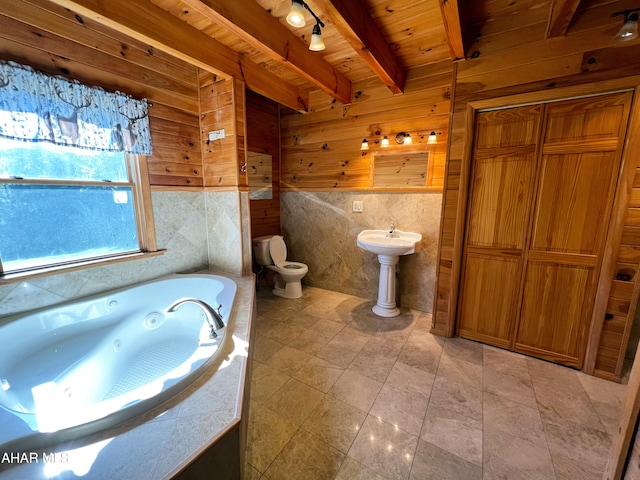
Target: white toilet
(271,251)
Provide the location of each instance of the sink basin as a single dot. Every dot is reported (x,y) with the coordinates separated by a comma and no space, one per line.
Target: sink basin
(381,242)
(388,247)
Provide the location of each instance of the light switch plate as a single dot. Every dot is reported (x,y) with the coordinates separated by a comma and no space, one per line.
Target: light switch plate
(357,205)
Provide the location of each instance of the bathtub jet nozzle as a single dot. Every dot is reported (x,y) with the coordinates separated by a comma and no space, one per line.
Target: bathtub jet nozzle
(214,318)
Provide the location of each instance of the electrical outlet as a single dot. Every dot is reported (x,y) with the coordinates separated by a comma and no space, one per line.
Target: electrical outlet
(357,205)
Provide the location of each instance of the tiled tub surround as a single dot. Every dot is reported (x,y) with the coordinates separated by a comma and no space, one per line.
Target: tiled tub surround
(338,393)
(320,230)
(159,443)
(197,229)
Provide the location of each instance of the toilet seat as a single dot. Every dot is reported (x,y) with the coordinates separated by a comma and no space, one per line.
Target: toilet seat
(278,250)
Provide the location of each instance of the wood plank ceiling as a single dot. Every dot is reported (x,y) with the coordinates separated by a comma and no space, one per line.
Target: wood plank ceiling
(363,38)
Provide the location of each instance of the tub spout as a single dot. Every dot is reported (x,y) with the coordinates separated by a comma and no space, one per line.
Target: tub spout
(214,318)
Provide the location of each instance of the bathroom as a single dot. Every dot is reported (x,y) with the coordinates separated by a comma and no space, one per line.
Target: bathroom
(202,212)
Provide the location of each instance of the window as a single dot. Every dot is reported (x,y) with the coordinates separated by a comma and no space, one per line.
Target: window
(72,188)
(60,205)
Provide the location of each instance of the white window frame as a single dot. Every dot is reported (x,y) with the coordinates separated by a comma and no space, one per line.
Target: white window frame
(138,180)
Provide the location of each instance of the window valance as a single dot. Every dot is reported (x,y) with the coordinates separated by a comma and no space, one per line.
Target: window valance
(37,107)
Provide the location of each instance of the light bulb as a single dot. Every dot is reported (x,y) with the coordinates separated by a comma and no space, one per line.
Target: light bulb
(385,142)
(317,43)
(629,30)
(432,138)
(407,139)
(295,18)
(365,144)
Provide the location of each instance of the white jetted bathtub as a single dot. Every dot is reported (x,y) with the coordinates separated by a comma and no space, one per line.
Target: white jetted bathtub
(84,366)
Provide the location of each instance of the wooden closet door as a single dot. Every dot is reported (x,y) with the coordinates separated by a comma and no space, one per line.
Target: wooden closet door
(503,173)
(578,172)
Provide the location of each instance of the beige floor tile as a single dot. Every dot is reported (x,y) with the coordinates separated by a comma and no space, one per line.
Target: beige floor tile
(460,371)
(606,398)
(433,463)
(265,381)
(587,446)
(344,347)
(398,328)
(502,361)
(570,405)
(456,434)
(352,470)
(462,349)
(456,399)
(384,449)
(570,469)
(400,409)
(265,347)
(305,457)
(356,390)
(288,360)
(294,401)
(513,418)
(267,434)
(316,337)
(335,422)
(319,374)
(506,456)
(518,389)
(377,357)
(422,350)
(410,379)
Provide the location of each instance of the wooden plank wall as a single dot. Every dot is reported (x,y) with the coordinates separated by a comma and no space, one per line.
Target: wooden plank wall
(222,106)
(511,56)
(321,149)
(263,136)
(55,40)
(625,289)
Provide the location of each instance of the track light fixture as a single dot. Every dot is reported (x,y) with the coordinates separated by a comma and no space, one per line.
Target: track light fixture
(629,30)
(295,18)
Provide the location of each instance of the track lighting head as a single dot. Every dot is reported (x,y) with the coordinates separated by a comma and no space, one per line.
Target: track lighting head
(629,30)
(316,43)
(295,18)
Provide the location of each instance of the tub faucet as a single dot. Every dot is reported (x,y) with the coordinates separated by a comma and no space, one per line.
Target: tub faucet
(214,318)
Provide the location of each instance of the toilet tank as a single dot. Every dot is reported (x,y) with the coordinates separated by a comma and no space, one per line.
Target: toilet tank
(261,250)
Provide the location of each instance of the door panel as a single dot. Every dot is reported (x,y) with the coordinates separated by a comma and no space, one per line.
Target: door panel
(490,294)
(555,312)
(573,199)
(498,220)
(498,215)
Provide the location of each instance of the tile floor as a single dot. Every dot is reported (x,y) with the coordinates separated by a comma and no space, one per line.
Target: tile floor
(338,393)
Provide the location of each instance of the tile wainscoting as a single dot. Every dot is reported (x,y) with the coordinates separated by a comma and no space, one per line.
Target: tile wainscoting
(320,230)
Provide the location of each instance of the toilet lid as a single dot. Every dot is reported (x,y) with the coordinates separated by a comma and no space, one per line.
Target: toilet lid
(277,249)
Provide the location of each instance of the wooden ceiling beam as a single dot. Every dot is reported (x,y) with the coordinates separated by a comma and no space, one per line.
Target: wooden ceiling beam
(453,27)
(264,32)
(562,12)
(160,29)
(352,19)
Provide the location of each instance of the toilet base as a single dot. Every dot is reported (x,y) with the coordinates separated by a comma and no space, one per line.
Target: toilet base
(290,290)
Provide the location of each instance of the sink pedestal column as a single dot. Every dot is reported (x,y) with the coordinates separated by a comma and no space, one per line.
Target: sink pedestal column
(386,306)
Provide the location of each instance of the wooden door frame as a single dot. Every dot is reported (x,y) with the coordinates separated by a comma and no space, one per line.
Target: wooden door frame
(622,440)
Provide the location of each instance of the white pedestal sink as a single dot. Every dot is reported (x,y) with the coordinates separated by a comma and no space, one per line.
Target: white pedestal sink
(388,246)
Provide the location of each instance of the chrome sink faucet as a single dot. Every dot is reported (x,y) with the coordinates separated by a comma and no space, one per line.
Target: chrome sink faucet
(392,230)
(214,318)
